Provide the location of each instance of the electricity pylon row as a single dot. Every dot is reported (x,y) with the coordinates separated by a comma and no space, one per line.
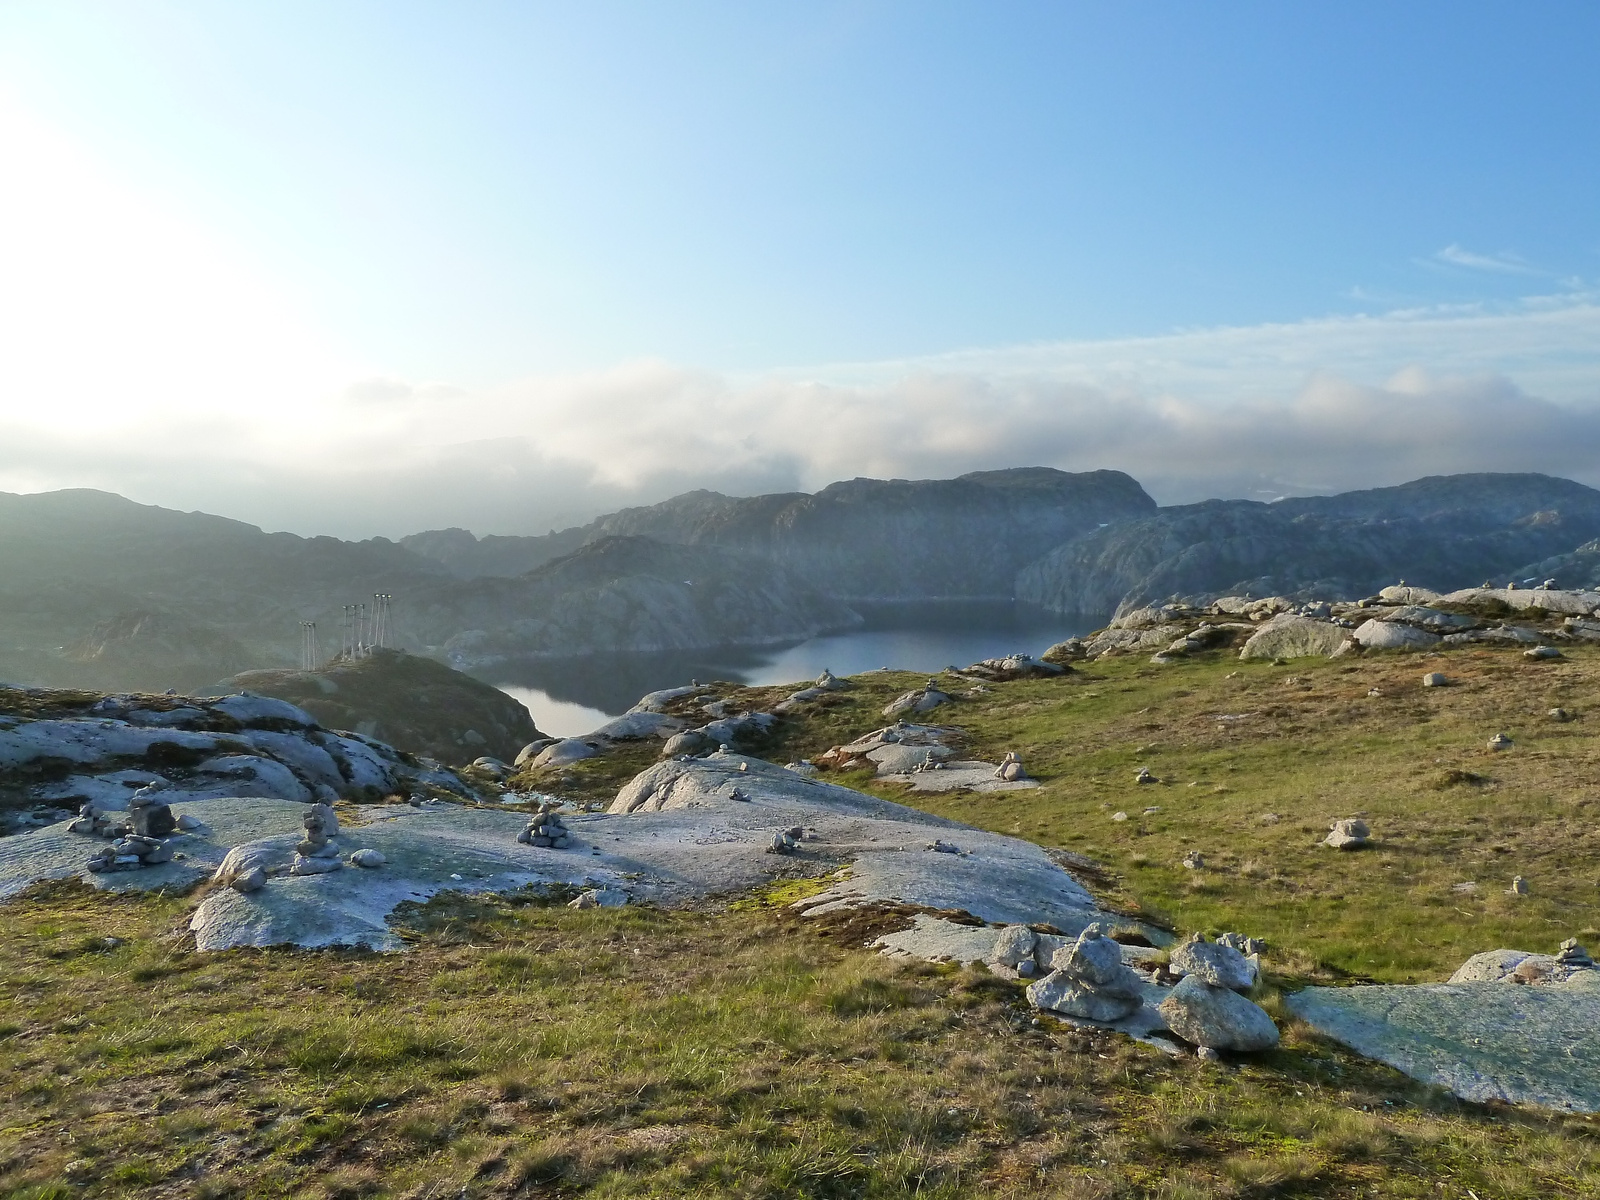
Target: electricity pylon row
(360,632)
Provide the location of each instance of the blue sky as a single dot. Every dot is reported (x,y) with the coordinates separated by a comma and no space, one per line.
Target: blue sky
(340,212)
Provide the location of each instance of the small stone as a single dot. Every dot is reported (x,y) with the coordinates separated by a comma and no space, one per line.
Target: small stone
(1119,816)
(1542,652)
(1350,833)
(1027,968)
(1500,741)
(252,880)
(1207,1054)
(303,865)
(188,821)
(1431,679)
(368,858)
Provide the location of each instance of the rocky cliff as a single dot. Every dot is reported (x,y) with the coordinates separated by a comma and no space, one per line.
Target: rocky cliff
(1443,532)
(863,539)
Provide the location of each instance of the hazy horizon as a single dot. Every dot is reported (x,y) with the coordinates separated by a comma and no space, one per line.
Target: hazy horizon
(384,268)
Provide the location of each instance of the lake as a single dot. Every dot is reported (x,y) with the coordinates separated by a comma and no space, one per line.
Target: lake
(573,696)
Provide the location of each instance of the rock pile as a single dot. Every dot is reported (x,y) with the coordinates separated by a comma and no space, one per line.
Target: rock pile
(317,853)
(148,816)
(1206,1007)
(1349,833)
(1015,666)
(1010,768)
(545,829)
(1089,980)
(93,822)
(786,841)
(129,853)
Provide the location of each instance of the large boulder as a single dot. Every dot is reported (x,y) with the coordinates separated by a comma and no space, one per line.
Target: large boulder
(1213,963)
(1392,635)
(1290,636)
(1217,1018)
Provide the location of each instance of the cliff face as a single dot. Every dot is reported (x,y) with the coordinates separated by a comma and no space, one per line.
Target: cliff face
(860,539)
(1443,532)
(628,593)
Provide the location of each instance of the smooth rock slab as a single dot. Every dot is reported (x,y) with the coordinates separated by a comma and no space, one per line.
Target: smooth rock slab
(1481,1041)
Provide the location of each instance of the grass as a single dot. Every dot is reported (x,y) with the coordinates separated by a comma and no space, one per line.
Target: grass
(1303,745)
(528,1050)
(524,1049)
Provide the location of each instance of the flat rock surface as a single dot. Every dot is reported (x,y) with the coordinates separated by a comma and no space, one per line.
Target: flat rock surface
(968,775)
(1482,1041)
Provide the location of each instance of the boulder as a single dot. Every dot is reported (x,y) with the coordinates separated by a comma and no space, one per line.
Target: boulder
(568,750)
(1292,636)
(1214,963)
(1392,635)
(1432,619)
(1015,943)
(1059,992)
(690,741)
(1407,595)
(922,700)
(368,858)
(1217,1018)
(1435,679)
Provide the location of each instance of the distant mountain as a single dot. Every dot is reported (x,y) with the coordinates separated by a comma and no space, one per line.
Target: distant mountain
(98,591)
(1443,532)
(864,539)
(629,594)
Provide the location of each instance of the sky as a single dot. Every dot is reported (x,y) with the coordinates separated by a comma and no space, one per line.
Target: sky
(368,268)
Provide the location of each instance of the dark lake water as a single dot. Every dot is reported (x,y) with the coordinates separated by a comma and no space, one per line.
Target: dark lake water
(568,697)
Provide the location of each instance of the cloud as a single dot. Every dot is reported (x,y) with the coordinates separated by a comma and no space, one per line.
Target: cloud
(1503,263)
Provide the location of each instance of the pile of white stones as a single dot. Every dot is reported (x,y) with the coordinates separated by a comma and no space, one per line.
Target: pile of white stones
(1089,980)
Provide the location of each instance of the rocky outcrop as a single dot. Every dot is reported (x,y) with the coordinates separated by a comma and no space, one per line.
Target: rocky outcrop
(1291,636)
(107,753)
(1446,532)
(406,700)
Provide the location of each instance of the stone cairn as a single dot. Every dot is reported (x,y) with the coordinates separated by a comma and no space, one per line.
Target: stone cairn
(1010,769)
(137,841)
(317,853)
(1206,1007)
(1089,980)
(1350,833)
(545,829)
(786,841)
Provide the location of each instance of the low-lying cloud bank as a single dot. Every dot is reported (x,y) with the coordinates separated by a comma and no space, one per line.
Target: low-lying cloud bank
(1324,406)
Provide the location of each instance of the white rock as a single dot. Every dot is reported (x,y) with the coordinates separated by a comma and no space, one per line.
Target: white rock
(368,858)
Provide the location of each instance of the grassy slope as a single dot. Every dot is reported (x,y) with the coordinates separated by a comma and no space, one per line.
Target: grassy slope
(529,1050)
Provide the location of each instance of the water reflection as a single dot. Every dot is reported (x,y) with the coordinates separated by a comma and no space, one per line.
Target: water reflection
(572,696)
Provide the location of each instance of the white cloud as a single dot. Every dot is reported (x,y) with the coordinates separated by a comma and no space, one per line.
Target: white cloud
(1503,263)
(140,355)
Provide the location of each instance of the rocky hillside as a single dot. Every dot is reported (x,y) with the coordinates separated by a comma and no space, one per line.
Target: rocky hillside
(1444,532)
(627,593)
(411,702)
(862,539)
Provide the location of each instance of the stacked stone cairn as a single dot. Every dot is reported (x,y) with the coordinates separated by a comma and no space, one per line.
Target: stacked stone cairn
(545,829)
(317,853)
(137,841)
(1089,980)
(1207,1008)
(1351,833)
